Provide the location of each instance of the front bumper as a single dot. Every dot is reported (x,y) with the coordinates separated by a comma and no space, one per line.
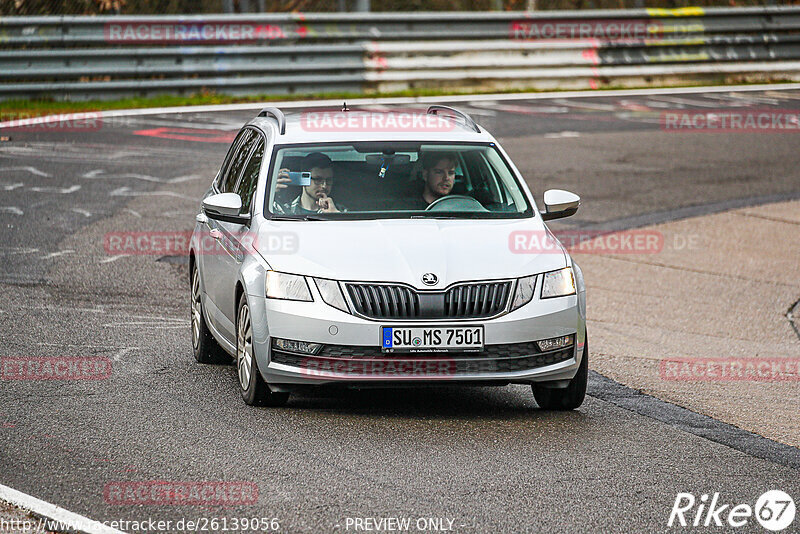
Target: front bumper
(352,346)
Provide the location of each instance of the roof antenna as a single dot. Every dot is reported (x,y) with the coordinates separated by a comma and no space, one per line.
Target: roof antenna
(344,107)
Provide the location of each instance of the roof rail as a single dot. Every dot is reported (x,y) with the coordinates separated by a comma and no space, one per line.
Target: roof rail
(433,110)
(277,114)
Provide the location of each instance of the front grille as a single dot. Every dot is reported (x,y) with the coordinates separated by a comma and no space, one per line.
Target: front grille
(472,300)
(370,362)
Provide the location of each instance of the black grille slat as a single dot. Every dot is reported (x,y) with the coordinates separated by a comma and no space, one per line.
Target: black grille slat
(403,303)
(394,301)
(358,299)
(397,309)
(355,296)
(487,304)
(369,309)
(362,301)
(448,303)
(499,298)
(472,299)
(504,294)
(384,300)
(373,301)
(393,310)
(411,298)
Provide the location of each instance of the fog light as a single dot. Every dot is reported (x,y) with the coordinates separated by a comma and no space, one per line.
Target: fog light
(290,345)
(555,343)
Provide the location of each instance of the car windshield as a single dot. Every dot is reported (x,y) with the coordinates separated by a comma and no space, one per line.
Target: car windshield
(392,180)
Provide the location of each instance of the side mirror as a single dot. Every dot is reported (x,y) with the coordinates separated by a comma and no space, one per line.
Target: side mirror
(225,207)
(559,203)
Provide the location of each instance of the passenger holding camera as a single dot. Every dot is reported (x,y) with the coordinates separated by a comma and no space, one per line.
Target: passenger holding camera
(314,197)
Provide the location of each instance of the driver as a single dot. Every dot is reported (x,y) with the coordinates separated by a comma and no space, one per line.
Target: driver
(439,175)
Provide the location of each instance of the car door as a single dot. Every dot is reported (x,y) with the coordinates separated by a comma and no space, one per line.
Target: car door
(219,260)
(237,238)
(207,230)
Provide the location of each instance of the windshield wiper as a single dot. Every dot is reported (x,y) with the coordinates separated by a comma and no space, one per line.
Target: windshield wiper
(297,218)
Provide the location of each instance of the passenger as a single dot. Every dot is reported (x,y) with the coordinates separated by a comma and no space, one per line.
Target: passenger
(315,197)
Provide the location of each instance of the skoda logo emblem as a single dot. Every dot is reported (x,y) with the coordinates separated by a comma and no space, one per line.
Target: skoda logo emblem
(430,279)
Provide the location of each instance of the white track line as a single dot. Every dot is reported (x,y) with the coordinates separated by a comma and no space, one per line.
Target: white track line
(69,520)
(337,103)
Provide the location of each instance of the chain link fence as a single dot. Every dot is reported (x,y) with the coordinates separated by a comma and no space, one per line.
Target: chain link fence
(177,7)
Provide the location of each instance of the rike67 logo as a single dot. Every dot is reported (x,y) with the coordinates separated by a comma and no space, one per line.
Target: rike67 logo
(774,510)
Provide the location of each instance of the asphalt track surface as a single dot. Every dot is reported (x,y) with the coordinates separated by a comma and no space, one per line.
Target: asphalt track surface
(486,458)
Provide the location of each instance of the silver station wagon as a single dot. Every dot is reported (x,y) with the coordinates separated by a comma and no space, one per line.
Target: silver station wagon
(383,248)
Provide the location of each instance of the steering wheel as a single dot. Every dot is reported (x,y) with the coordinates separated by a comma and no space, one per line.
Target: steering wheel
(455,203)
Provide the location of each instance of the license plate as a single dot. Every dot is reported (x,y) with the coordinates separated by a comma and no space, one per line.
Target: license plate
(432,339)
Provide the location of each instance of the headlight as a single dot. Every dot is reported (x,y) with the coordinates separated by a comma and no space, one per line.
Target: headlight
(287,287)
(558,283)
(331,293)
(524,292)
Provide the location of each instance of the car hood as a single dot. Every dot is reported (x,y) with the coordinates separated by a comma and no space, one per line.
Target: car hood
(395,250)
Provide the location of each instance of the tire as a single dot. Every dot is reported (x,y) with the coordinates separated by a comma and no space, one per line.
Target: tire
(204,346)
(254,390)
(567,398)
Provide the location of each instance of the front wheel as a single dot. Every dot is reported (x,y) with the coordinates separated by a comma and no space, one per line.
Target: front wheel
(567,398)
(254,390)
(204,347)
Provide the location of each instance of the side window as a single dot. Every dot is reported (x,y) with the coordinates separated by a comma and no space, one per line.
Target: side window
(240,154)
(228,157)
(247,185)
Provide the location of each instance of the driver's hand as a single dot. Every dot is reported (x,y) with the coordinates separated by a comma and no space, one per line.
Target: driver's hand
(326,205)
(283,180)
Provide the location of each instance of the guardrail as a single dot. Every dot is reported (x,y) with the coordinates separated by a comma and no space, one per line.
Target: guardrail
(106,57)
